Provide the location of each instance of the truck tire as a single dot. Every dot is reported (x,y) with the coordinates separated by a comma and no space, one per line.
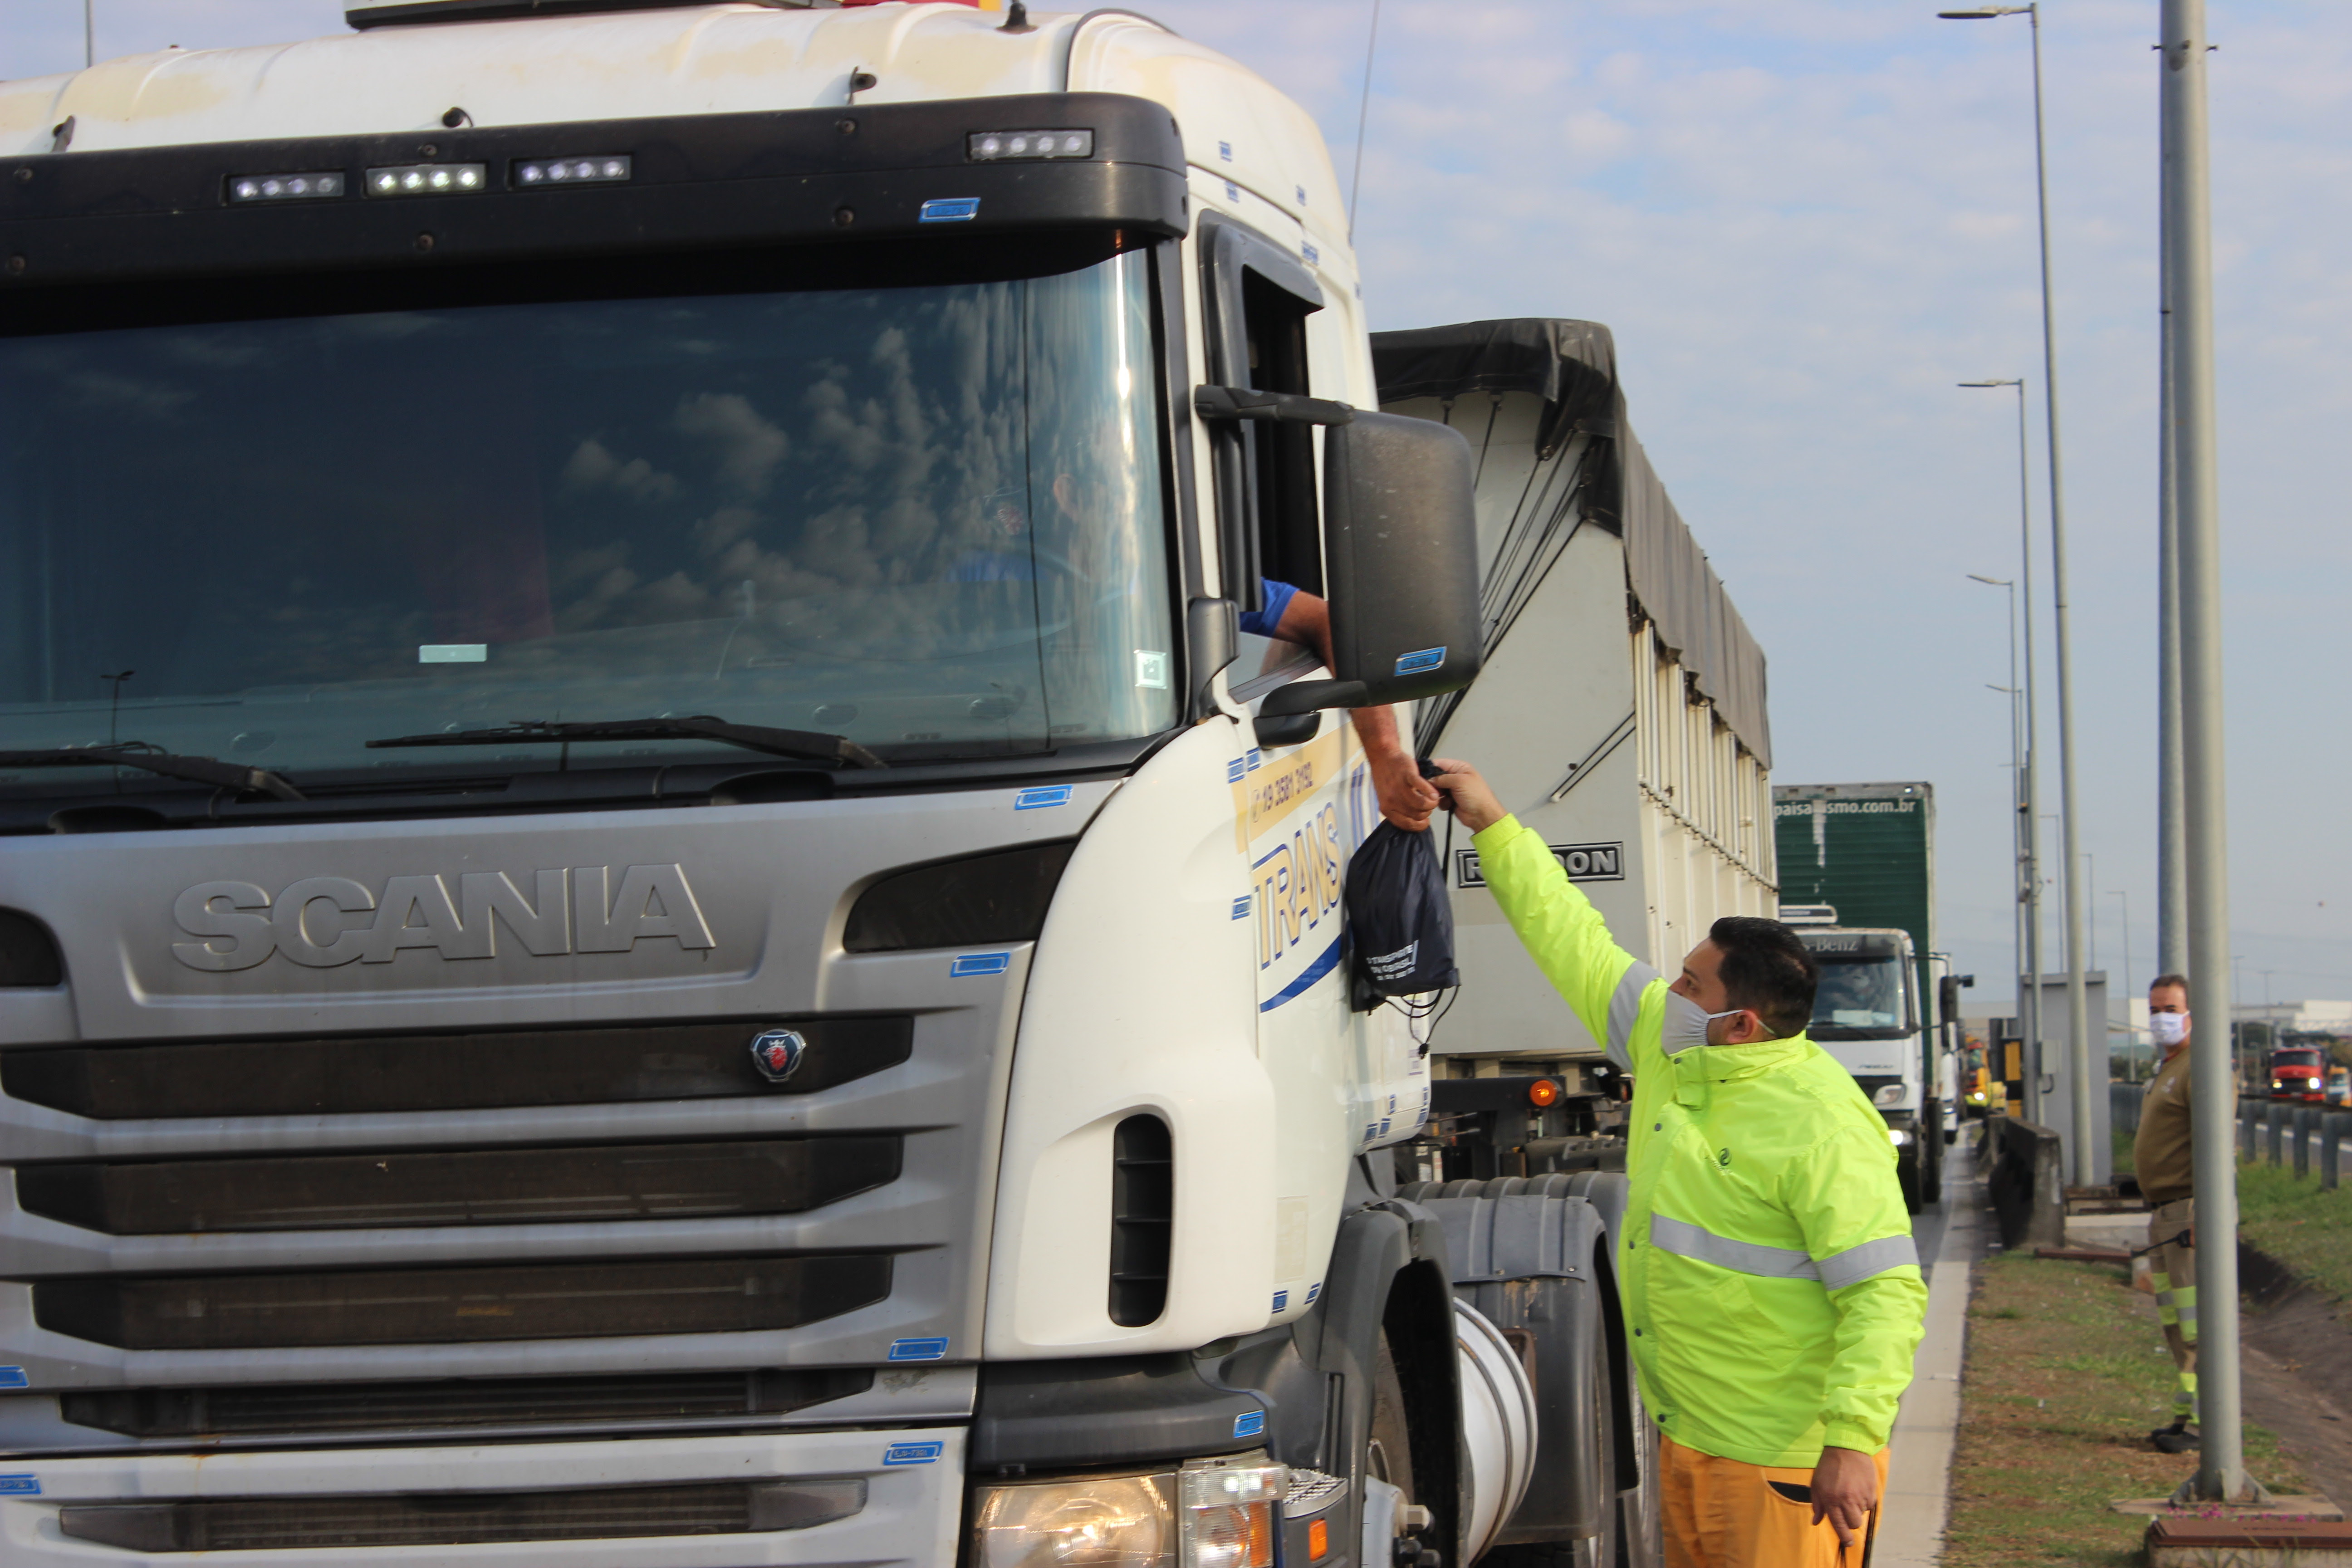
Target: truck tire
(1906,1172)
(1388,1439)
(1388,1436)
(1600,1447)
(1931,1167)
(1640,1518)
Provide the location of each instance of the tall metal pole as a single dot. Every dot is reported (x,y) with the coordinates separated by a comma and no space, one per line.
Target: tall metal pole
(88,32)
(2029,817)
(2078,994)
(2171,829)
(2017,815)
(2030,807)
(2188,247)
(2091,881)
(2131,1040)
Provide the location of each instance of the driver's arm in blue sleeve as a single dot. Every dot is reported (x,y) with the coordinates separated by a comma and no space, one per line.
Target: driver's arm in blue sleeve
(1266,622)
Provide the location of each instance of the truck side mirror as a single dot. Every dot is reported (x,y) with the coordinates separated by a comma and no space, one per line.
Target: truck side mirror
(1947,1000)
(1401,547)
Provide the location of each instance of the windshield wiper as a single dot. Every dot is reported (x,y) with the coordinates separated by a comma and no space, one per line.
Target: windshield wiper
(807,745)
(138,754)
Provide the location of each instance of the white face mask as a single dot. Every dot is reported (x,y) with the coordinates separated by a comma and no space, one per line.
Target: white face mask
(2167,1028)
(1686,1022)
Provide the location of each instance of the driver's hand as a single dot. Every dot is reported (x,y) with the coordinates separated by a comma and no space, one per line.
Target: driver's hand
(1406,798)
(1474,805)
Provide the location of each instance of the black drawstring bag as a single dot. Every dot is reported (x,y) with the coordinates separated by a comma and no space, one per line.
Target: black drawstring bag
(1400,921)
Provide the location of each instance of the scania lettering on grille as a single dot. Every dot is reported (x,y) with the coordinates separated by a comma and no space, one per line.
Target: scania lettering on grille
(322,922)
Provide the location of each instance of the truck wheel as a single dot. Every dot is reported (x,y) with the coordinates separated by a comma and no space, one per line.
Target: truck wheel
(1388,1441)
(1907,1171)
(1388,1447)
(1931,1168)
(1640,1518)
(1599,1441)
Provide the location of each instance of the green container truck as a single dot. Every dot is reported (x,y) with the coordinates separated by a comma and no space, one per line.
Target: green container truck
(1857,867)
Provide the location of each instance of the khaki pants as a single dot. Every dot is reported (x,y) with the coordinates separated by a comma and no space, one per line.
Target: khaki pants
(2173,1263)
(1721,1513)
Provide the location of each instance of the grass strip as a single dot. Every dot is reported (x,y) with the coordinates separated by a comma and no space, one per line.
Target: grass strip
(2307,1229)
(2067,1373)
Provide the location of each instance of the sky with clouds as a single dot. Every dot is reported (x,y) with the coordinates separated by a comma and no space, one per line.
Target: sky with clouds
(1805,221)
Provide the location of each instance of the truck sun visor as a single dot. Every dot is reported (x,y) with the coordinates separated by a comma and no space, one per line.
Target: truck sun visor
(1098,164)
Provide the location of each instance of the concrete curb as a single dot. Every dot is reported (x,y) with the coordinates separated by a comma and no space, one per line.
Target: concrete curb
(1919,1467)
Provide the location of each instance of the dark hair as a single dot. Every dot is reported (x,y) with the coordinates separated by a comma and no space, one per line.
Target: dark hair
(2162,981)
(1767,970)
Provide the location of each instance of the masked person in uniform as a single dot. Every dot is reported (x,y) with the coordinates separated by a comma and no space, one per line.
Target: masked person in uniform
(1769,1279)
(2162,1157)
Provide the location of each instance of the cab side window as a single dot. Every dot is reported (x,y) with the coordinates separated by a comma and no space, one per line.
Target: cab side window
(1288,525)
(1269,521)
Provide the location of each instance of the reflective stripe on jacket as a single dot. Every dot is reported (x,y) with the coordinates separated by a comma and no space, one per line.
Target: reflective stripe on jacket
(1766,1259)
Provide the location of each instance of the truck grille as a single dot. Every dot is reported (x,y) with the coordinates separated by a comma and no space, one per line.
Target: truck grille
(502,1186)
(449,1306)
(493,1232)
(291,1408)
(503,1069)
(449,1518)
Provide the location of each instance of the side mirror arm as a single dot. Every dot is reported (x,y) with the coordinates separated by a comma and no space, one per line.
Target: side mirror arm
(1291,714)
(1228,402)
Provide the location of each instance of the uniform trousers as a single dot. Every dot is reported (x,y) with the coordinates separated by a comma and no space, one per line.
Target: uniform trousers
(2173,1261)
(1723,1513)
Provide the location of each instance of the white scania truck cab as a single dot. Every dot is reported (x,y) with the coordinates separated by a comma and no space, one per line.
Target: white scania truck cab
(651,910)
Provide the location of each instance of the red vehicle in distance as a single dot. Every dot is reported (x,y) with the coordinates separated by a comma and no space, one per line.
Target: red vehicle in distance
(2299,1072)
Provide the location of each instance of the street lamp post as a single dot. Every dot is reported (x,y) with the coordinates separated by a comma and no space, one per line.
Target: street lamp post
(2024,877)
(2091,880)
(2029,775)
(2077,986)
(2125,897)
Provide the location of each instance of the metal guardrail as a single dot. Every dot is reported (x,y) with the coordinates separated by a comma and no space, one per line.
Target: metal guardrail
(2298,1136)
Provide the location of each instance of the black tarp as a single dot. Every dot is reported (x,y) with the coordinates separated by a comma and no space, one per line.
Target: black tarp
(1572,366)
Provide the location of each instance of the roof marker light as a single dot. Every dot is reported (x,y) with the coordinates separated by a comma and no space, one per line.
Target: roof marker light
(428,180)
(601,169)
(996,146)
(285,188)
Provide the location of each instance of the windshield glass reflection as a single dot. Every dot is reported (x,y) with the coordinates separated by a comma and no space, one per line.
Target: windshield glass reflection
(927,518)
(1858,994)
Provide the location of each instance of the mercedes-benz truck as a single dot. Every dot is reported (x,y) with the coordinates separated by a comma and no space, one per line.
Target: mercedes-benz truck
(652,909)
(1857,879)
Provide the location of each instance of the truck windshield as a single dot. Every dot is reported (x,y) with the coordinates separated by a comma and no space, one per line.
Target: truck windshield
(1861,996)
(927,518)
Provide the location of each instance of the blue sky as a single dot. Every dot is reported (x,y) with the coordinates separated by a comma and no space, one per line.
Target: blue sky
(1806,220)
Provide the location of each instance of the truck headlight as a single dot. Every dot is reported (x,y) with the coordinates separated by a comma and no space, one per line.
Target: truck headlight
(1898,1136)
(1889,1094)
(1229,1514)
(1207,1516)
(1101,1521)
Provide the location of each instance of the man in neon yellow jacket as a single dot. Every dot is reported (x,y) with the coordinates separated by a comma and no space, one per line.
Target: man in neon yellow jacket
(1768,1272)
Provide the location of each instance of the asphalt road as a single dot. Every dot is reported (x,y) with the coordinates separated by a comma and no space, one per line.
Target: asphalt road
(1928,1226)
